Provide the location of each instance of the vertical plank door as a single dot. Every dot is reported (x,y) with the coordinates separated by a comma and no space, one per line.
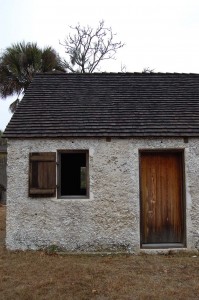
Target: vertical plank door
(162,211)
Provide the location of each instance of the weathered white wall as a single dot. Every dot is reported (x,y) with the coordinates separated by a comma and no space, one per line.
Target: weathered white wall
(109,219)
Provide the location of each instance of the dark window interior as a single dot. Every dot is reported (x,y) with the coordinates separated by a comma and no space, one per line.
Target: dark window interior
(73,174)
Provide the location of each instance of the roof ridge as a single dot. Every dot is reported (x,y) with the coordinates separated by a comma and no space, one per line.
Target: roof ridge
(116,73)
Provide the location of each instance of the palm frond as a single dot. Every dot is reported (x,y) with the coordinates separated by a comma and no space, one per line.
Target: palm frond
(13,106)
(20,62)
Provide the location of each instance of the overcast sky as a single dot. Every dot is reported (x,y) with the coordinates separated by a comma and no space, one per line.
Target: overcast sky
(162,35)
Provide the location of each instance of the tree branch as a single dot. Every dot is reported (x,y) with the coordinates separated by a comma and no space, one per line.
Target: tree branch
(88,47)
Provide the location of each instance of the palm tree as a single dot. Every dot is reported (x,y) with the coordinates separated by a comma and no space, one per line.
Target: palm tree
(18,65)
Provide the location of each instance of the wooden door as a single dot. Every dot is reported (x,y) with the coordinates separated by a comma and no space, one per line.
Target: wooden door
(162,211)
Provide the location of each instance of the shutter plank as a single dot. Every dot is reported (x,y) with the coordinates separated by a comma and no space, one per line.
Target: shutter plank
(35,191)
(45,156)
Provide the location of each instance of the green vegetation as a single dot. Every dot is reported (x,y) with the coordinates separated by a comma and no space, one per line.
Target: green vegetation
(18,65)
(2,141)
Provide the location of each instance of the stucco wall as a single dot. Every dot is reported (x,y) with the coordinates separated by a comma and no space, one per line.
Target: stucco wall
(109,219)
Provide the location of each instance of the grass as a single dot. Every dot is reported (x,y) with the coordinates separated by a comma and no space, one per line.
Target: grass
(41,275)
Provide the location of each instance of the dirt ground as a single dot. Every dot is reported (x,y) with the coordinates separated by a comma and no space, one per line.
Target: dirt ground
(41,275)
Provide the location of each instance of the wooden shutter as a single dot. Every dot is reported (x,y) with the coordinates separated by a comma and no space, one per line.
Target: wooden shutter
(42,177)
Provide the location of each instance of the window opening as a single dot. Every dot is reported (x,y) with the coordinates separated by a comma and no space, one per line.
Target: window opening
(73,174)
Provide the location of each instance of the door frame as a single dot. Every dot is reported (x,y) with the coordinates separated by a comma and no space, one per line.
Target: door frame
(168,245)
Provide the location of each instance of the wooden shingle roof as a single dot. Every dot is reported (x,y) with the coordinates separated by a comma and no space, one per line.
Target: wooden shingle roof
(108,104)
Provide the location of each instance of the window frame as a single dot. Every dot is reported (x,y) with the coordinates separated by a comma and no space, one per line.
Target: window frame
(59,196)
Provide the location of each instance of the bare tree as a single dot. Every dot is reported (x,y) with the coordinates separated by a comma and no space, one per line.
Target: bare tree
(123,68)
(148,70)
(87,47)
